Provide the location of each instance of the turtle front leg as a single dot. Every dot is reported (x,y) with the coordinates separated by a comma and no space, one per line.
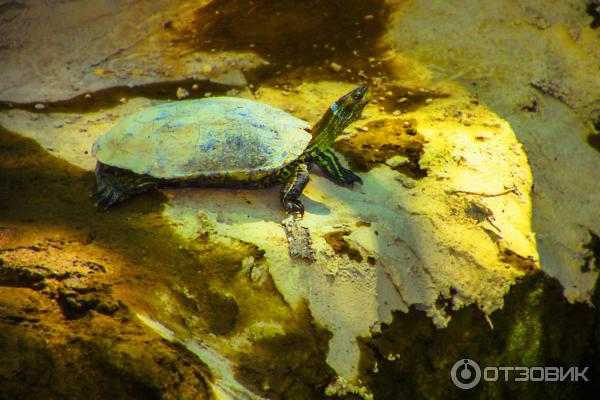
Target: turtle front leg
(332,166)
(116,186)
(295,177)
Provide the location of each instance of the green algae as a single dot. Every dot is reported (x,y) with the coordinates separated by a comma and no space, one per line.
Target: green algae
(383,140)
(536,327)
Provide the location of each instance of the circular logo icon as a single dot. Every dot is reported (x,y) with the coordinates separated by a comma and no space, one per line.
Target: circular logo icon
(465,373)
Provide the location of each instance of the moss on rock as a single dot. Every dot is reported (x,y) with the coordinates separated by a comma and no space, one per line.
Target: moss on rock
(536,327)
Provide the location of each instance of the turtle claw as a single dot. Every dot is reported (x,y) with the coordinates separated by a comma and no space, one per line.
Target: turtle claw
(101,201)
(350,177)
(294,206)
(107,197)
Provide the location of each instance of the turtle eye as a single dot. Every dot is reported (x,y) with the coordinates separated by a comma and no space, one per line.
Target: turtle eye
(359,93)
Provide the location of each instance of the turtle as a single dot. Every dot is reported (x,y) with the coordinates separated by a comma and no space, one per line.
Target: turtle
(222,142)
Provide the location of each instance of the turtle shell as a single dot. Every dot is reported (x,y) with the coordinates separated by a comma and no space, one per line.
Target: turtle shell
(213,137)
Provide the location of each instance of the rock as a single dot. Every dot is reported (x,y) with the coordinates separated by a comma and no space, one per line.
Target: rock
(561,91)
(207,69)
(335,67)
(235,78)
(182,93)
(396,161)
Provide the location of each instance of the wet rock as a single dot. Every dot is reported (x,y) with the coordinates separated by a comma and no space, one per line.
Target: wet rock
(92,361)
(29,277)
(397,161)
(77,302)
(182,93)
(335,67)
(117,45)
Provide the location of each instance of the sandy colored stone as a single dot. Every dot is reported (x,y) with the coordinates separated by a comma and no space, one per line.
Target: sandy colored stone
(555,70)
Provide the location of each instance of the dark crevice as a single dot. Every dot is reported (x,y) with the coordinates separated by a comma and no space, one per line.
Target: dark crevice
(76,303)
(26,277)
(592,261)
(526,264)
(593,140)
(596,120)
(111,97)
(532,106)
(9,5)
(593,9)
(18,319)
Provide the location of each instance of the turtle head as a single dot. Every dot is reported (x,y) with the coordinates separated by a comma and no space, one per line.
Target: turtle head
(349,107)
(344,111)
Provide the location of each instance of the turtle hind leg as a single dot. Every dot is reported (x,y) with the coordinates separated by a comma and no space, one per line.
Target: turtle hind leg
(111,188)
(108,195)
(116,186)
